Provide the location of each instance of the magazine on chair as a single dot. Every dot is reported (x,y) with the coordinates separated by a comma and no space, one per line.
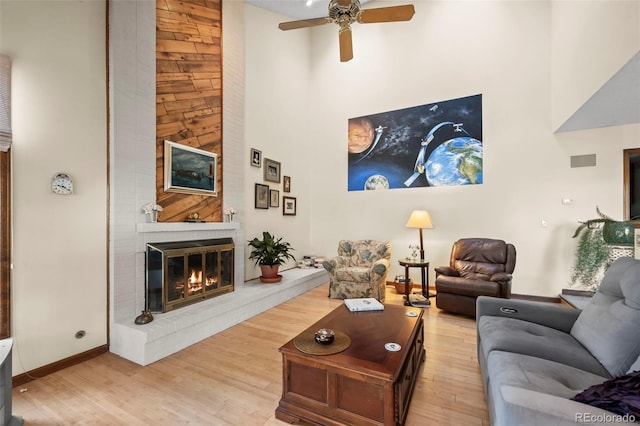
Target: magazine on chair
(363,304)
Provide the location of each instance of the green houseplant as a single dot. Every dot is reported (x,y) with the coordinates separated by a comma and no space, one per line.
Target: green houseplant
(270,252)
(594,253)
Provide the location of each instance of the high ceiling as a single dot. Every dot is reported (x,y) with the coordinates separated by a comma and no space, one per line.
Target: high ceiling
(616,103)
(297,9)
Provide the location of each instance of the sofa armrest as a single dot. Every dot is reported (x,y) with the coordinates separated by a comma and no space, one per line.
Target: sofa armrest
(547,314)
(379,269)
(446,270)
(501,277)
(335,262)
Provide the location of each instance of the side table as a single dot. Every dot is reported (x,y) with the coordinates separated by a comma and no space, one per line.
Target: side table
(424,269)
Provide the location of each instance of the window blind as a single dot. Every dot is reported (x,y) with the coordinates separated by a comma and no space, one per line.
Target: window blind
(5,103)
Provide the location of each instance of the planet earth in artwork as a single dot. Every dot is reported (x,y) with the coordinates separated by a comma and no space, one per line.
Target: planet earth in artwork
(457,161)
(376,182)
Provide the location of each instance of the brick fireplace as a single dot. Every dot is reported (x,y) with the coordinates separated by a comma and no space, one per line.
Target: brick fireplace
(133,178)
(174,330)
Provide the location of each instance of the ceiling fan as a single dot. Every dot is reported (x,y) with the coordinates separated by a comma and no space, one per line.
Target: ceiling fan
(346,12)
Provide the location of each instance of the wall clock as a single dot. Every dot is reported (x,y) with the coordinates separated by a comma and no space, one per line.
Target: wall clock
(62,184)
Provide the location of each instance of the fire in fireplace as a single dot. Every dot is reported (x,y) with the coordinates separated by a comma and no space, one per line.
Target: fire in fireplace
(184,272)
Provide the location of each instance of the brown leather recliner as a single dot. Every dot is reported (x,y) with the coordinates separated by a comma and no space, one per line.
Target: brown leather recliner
(477,267)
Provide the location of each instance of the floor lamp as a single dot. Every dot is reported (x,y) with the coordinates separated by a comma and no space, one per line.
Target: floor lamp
(420,219)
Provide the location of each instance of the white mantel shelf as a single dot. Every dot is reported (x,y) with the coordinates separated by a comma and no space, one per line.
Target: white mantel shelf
(186,226)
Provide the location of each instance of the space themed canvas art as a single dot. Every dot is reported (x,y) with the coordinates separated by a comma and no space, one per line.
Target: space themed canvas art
(437,144)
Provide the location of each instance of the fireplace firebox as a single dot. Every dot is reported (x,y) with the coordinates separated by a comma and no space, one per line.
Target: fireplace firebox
(181,273)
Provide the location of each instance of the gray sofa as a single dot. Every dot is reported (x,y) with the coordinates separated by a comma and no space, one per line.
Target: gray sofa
(534,356)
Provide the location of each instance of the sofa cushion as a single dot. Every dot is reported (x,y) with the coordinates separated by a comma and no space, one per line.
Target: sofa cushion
(523,337)
(366,252)
(479,258)
(353,274)
(620,395)
(525,390)
(635,366)
(467,287)
(609,326)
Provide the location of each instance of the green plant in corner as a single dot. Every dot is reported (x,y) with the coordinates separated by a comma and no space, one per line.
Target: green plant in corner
(269,253)
(594,250)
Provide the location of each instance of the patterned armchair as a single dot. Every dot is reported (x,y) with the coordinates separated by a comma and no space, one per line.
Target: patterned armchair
(359,270)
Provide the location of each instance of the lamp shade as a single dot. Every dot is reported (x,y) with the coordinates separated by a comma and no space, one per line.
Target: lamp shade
(419,219)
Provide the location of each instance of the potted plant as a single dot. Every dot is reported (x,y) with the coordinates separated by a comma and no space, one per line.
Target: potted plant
(270,252)
(595,250)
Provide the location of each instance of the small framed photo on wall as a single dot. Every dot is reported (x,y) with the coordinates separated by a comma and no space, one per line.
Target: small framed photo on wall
(286,185)
(288,206)
(256,158)
(271,170)
(274,198)
(262,196)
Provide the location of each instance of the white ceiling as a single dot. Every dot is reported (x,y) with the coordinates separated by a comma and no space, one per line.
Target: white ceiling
(297,9)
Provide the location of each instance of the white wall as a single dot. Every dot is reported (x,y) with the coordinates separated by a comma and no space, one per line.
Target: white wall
(59,120)
(500,49)
(277,106)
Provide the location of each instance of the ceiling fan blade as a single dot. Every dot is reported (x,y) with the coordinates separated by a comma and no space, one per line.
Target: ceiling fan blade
(303,23)
(344,3)
(386,14)
(346,47)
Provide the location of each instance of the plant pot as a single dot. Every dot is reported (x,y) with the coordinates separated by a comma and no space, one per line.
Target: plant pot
(618,233)
(270,274)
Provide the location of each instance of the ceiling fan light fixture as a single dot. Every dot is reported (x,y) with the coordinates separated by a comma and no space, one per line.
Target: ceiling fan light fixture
(346,12)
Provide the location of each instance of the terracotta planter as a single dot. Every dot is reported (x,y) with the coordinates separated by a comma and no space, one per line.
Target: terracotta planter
(270,274)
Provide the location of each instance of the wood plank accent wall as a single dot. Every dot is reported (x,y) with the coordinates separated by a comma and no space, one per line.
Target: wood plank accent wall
(189,96)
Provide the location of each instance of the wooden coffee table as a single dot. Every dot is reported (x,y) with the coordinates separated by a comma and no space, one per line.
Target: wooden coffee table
(365,384)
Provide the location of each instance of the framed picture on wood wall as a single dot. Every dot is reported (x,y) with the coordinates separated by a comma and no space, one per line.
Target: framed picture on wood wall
(288,206)
(262,196)
(189,170)
(271,170)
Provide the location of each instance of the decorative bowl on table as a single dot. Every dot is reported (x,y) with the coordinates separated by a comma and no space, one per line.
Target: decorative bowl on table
(324,336)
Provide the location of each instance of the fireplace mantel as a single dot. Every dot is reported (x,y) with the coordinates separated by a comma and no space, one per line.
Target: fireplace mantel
(185,226)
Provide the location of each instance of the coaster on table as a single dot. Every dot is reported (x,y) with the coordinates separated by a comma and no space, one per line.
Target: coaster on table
(392,347)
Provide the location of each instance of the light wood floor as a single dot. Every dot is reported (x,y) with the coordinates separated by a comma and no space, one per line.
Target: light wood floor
(234,377)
